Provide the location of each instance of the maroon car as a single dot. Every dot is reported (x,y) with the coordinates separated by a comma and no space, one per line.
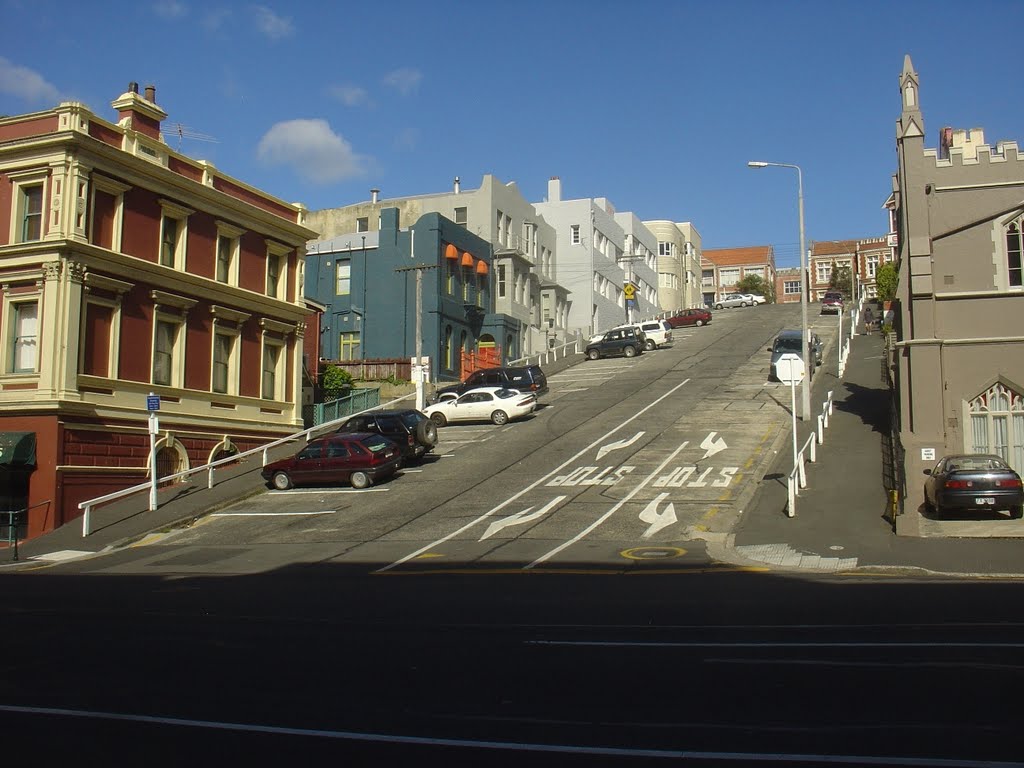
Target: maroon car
(697,316)
(358,458)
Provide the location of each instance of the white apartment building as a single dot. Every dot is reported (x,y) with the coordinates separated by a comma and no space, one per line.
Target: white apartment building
(590,245)
(640,256)
(679,269)
(526,286)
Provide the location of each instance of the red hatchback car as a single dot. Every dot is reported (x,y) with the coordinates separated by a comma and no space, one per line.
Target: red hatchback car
(697,316)
(358,458)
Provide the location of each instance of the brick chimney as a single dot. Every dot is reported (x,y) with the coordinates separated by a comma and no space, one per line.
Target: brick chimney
(139,113)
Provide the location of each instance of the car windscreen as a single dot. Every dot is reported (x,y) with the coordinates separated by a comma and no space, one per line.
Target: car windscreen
(375,444)
(410,419)
(787,345)
(505,394)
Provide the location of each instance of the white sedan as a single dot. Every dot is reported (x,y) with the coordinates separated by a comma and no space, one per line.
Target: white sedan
(495,404)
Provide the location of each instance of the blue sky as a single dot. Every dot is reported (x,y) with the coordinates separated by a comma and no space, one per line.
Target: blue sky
(655,105)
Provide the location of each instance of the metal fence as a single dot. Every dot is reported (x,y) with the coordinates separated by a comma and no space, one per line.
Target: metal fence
(359,400)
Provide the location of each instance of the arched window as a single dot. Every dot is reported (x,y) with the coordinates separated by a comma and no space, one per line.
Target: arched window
(1014,249)
(997,424)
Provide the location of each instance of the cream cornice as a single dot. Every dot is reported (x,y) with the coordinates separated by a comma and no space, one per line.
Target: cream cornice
(226,313)
(93,280)
(275,326)
(172,300)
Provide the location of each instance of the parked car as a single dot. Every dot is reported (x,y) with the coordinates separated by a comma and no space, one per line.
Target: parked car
(525,378)
(495,404)
(831,303)
(697,316)
(414,433)
(654,333)
(618,341)
(734,300)
(973,482)
(789,342)
(755,299)
(359,458)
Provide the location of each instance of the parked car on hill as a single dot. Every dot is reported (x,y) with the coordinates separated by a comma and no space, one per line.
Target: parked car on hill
(789,342)
(359,458)
(618,341)
(415,434)
(755,299)
(972,483)
(495,404)
(697,316)
(524,378)
(831,303)
(734,300)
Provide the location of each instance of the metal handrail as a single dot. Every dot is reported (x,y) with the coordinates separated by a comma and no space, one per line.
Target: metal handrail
(88,504)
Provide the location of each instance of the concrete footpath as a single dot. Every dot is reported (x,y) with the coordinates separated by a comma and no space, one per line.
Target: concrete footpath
(843,520)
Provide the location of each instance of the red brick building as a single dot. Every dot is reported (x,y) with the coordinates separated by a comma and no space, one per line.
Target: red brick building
(127,268)
(733,264)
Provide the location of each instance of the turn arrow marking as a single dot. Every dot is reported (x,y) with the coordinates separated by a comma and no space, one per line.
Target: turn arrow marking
(712,446)
(658,520)
(618,444)
(520,517)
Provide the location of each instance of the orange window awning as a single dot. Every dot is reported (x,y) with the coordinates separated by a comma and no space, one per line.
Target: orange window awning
(467,259)
(451,252)
(481,267)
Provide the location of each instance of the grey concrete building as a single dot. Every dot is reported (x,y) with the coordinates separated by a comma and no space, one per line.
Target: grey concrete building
(959,362)
(590,246)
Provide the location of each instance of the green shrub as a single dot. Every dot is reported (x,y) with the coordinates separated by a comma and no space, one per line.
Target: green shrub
(337,383)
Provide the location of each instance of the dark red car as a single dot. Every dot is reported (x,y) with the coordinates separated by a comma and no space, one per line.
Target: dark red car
(359,458)
(697,316)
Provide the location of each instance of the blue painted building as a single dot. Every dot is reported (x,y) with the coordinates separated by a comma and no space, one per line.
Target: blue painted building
(367,282)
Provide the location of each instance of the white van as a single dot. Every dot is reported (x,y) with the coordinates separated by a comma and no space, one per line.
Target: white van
(657,333)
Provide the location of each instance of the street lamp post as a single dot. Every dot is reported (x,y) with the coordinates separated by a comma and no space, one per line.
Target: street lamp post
(806,390)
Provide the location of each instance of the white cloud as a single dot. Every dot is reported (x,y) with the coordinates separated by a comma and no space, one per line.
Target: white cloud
(270,24)
(404,80)
(26,84)
(170,9)
(312,150)
(349,95)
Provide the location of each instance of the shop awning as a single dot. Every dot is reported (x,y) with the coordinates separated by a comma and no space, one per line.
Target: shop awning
(481,267)
(18,449)
(451,252)
(467,259)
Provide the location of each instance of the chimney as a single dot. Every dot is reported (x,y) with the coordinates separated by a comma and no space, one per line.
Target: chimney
(139,114)
(373,195)
(554,190)
(457,185)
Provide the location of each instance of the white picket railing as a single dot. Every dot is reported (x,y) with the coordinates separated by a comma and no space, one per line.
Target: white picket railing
(798,475)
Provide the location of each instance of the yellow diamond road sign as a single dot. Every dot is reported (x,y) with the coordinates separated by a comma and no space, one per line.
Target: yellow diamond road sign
(629,289)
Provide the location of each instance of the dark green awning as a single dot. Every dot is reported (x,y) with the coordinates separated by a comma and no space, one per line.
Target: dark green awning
(18,449)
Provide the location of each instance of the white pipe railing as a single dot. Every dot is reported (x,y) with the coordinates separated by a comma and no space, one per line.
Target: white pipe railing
(88,504)
(798,475)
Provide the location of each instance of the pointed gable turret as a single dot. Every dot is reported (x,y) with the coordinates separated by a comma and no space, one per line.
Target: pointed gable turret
(911,124)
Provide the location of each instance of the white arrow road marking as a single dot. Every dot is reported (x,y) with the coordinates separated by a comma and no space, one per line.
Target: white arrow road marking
(520,517)
(618,444)
(656,519)
(712,446)
(554,472)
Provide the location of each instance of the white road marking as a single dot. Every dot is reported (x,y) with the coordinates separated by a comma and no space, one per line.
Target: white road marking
(273,514)
(535,483)
(658,520)
(601,520)
(712,446)
(520,517)
(327,490)
(606,449)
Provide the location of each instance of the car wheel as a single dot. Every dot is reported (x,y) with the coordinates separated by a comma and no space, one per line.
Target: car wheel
(699,323)
(719,306)
(426,432)
(593,354)
(743,304)
(629,351)
(649,345)
(281,481)
(438,419)
(1017,512)
(360,480)
(499,418)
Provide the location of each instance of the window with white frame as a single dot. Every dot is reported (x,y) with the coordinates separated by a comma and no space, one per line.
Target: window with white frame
(348,346)
(1014,252)
(500,228)
(790,287)
(22,345)
(168,350)
(277,266)
(501,281)
(824,271)
(272,383)
(665,248)
(363,224)
(450,277)
(343,283)
(228,244)
(872,263)
(27,194)
(222,378)
(997,424)
(173,234)
(728,277)
(461,216)
(106,212)
(99,325)
(574,234)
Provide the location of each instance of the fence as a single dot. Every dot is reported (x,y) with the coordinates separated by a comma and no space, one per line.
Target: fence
(374,370)
(798,475)
(359,400)
(572,347)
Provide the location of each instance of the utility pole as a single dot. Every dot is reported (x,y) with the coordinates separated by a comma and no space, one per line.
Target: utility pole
(417,365)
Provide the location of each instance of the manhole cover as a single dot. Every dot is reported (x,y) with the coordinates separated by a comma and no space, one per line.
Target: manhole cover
(652,553)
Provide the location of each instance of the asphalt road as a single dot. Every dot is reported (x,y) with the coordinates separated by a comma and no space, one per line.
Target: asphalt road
(460,614)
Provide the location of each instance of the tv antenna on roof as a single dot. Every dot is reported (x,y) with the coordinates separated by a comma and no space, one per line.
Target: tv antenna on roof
(185,132)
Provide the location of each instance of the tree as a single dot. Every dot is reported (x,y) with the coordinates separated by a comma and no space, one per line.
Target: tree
(886,280)
(842,280)
(754,284)
(337,382)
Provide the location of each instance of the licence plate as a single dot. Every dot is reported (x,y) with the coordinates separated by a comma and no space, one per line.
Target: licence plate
(980,500)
